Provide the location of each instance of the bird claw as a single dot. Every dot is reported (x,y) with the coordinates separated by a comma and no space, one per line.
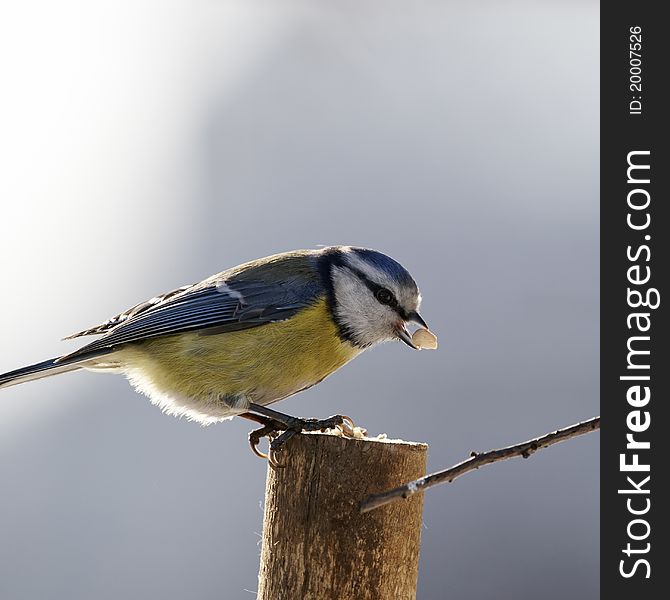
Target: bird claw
(257,452)
(272,459)
(269,430)
(272,430)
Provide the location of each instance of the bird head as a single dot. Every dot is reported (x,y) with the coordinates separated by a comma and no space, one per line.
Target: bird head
(372,297)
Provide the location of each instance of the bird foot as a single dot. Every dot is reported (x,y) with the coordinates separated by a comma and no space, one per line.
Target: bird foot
(279,432)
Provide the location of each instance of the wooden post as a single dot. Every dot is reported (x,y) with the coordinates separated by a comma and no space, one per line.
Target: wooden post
(317,545)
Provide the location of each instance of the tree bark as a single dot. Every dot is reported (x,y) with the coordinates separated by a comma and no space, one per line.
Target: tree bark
(317,545)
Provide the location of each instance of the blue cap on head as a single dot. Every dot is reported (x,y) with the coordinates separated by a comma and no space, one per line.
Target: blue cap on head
(385,263)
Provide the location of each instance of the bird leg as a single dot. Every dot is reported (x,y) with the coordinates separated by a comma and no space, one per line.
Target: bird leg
(274,422)
(297,424)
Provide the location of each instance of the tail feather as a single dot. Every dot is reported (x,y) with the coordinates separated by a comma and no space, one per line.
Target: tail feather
(37,371)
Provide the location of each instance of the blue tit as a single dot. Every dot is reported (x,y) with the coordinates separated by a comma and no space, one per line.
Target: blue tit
(252,335)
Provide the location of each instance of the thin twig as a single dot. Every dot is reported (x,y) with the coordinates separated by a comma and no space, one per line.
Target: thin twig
(476,460)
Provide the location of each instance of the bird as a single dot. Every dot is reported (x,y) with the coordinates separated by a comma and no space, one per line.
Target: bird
(251,336)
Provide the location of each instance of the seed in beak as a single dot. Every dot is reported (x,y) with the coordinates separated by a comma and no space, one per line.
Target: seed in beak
(423,338)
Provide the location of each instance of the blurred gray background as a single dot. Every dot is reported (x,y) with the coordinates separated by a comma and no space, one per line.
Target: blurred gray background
(147,145)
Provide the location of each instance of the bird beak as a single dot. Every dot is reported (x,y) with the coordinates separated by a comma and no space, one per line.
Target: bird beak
(403,332)
(415,317)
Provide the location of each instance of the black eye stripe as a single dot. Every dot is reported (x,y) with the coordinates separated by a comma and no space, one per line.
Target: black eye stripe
(375,288)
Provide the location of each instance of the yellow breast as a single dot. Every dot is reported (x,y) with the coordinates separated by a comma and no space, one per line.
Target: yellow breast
(264,364)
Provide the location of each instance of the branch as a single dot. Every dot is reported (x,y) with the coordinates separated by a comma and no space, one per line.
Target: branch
(476,460)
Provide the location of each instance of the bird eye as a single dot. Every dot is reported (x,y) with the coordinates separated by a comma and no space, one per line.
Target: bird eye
(384,296)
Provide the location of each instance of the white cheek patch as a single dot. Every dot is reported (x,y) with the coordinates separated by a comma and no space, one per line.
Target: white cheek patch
(357,309)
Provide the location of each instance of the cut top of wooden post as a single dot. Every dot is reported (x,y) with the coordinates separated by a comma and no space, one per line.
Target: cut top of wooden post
(317,545)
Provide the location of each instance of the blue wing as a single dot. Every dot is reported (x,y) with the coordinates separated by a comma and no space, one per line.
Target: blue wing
(217,305)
